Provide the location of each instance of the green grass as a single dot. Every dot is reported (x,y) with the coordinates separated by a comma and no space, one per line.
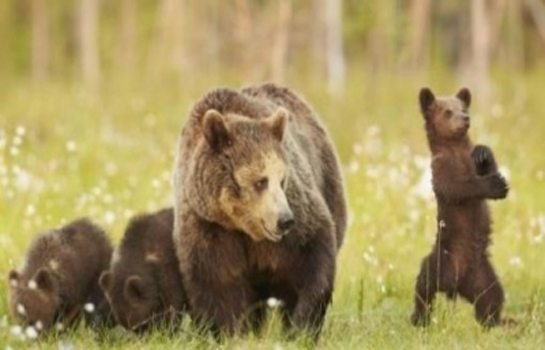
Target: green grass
(66,153)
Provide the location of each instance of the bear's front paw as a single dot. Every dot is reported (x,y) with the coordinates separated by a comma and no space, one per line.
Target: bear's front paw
(497,186)
(482,158)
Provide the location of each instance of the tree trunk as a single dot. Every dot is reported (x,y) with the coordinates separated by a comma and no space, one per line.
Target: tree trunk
(419,31)
(515,49)
(480,33)
(281,42)
(88,41)
(243,37)
(40,40)
(171,36)
(537,9)
(317,37)
(336,70)
(128,33)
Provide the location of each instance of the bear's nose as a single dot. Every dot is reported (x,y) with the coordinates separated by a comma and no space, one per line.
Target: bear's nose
(286,222)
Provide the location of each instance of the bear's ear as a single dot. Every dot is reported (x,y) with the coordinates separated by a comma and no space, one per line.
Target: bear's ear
(134,289)
(215,131)
(105,281)
(44,280)
(426,98)
(13,277)
(277,122)
(465,96)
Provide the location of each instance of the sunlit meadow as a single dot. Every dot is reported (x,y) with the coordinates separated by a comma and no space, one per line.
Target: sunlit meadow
(66,153)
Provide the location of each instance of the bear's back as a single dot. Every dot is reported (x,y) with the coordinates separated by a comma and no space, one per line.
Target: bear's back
(75,253)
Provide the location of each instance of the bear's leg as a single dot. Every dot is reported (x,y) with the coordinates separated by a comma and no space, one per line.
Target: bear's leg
(483,288)
(313,281)
(220,306)
(437,273)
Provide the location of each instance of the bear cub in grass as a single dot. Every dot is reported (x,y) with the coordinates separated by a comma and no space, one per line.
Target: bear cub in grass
(59,278)
(143,285)
(464,177)
(260,209)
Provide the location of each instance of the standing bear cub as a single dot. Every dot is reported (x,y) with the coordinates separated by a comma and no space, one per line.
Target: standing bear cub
(143,285)
(259,209)
(464,177)
(59,278)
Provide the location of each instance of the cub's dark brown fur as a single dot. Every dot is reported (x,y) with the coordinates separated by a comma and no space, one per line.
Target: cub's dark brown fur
(60,276)
(259,208)
(464,177)
(143,285)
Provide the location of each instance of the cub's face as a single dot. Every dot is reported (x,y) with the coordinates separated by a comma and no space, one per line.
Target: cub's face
(132,299)
(252,173)
(34,302)
(447,117)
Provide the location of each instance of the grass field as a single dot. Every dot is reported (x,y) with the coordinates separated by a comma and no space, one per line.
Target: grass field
(66,153)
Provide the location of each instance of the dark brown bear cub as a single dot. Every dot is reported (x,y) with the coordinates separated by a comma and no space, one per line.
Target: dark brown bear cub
(59,278)
(464,177)
(144,282)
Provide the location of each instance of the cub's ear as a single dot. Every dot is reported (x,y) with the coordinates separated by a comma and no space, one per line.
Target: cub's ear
(426,98)
(277,122)
(105,281)
(465,96)
(134,289)
(13,277)
(215,131)
(44,280)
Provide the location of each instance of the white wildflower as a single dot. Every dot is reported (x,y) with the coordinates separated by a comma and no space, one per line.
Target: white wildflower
(111,168)
(20,130)
(31,332)
(89,307)
(32,284)
(273,302)
(59,326)
(16,330)
(109,217)
(353,167)
(505,172)
(66,345)
(21,309)
(71,146)
(516,261)
(30,210)
(39,325)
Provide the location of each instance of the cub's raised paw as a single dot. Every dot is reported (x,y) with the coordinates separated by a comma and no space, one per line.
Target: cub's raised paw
(498,186)
(482,157)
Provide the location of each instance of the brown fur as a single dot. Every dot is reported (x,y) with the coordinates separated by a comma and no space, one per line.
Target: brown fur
(231,258)
(60,275)
(143,285)
(464,177)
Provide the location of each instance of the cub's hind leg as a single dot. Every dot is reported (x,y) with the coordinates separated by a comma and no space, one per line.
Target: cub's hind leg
(437,274)
(483,288)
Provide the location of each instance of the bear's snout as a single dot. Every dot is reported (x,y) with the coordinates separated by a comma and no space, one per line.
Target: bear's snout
(286,222)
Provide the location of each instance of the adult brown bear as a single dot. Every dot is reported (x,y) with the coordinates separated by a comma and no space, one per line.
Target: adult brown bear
(259,208)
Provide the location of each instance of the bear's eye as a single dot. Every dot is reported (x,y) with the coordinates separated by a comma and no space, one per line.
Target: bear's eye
(448,113)
(261,185)
(283,183)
